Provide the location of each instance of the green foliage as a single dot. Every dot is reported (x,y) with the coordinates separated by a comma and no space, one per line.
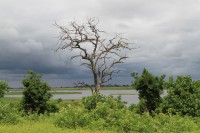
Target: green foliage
(98,117)
(149,88)
(72,117)
(183,97)
(175,123)
(129,122)
(100,113)
(133,107)
(36,94)
(42,126)
(8,114)
(9,100)
(111,116)
(3,87)
(52,107)
(90,102)
(107,116)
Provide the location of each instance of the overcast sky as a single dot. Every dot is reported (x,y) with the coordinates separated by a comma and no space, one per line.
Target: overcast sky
(167,32)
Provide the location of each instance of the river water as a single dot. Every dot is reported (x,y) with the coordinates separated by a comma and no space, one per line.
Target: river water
(129,96)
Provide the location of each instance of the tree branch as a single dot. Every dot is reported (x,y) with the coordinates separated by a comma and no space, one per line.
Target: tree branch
(105,53)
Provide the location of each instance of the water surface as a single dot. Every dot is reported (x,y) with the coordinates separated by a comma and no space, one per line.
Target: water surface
(129,96)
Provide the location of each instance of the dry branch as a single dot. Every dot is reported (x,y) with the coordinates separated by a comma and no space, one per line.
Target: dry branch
(105,54)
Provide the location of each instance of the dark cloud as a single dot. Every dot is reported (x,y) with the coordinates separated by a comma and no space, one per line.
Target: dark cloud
(167,33)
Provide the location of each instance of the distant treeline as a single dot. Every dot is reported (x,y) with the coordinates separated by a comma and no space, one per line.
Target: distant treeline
(108,85)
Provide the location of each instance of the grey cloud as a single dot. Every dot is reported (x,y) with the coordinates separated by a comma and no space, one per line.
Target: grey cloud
(167,33)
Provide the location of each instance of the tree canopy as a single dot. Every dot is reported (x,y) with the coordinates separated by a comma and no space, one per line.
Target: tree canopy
(3,87)
(36,93)
(149,88)
(183,96)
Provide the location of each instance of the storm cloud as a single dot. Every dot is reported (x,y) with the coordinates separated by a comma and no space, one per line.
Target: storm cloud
(167,34)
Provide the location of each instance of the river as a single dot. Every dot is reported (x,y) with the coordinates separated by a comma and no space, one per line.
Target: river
(129,96)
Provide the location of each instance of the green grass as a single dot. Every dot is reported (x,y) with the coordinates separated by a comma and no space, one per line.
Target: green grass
(160,124)
(140,123)
(10,100)
(63,102)
(14,93)
(41,126)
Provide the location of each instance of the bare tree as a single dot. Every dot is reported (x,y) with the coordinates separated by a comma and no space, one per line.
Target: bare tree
(99,54)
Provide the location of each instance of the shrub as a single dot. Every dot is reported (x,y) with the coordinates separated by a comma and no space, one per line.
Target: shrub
(36,94)
(59,100)
(52,107)
(8,114)
(183,97)
(133,107)
(72,117)
(91,102)
(3,87)
(149,88)
(91,115)
(175,123)
(110,116)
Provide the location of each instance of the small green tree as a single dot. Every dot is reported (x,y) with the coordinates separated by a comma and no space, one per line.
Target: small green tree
(183,96)
(36,94)
(3,87)
(149,88)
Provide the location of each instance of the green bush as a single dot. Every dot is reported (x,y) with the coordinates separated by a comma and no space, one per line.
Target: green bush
(133,107)
(110,115)
(91,115)
(149,88)
(72,117)
(91,102)
(183,97)
(36,94)
(52,107)
(175,123)
(117,119)
(8,114)
(3,87)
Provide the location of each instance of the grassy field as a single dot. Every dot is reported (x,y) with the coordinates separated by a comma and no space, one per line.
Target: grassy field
(63,102)
(125,118)
(10,100)
(41,126)
(14,93)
